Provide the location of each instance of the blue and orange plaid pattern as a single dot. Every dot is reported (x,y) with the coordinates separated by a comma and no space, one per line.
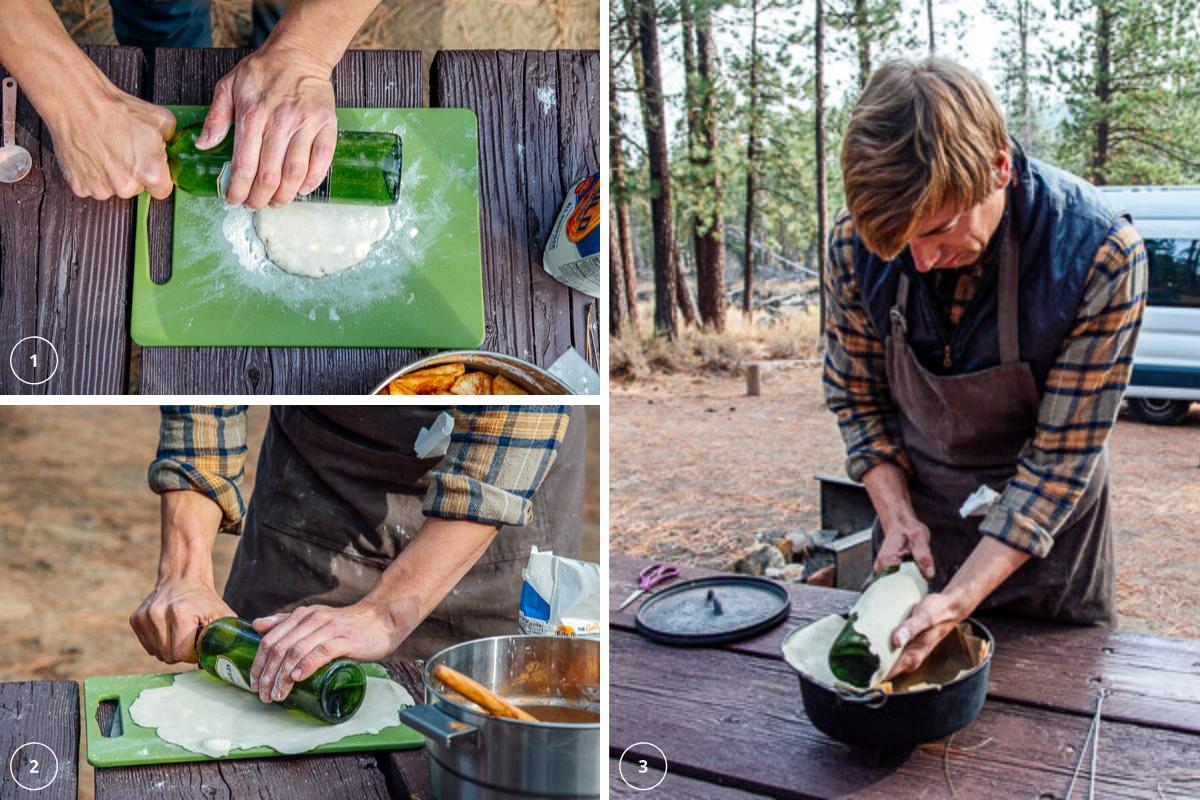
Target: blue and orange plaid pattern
(496,460)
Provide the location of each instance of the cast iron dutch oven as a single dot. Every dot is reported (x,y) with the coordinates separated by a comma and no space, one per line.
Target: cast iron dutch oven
(899,721)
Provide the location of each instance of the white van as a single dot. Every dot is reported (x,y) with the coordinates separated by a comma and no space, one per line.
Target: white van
(1166,364)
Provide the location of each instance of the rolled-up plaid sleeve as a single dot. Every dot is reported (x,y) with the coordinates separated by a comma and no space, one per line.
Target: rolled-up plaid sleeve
(496,460)
(203,449)
(855,379)
(1080,402)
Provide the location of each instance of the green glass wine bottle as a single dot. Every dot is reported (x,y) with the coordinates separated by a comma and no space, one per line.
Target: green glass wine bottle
(365,168)
(226,648)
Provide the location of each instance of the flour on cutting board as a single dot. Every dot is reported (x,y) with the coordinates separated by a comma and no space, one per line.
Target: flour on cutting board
(413,229)
(205,715)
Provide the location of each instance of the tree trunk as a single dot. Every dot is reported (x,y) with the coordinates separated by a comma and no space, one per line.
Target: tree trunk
(862,27)
(617,308)
(751,155)
(1100,127)
(929,19)
(1023,18)
(683,294)
(710,230)
(819,115)
(666,267)
(623,254)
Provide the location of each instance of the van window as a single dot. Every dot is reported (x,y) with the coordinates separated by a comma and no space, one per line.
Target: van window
(1174,272)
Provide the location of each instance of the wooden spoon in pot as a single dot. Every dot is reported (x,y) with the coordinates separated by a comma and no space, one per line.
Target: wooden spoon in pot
(488,700)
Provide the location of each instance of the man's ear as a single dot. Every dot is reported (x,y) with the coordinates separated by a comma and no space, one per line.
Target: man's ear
(1002,167)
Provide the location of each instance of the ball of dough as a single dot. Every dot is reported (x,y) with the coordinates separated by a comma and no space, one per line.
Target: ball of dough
(319,239)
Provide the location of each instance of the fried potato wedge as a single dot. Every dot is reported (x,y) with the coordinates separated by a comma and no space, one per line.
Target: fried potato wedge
(502,385)
(431,384)
(473,383)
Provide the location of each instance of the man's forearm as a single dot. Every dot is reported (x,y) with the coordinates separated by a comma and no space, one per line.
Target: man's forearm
(887,486)
(52,71)
(323,28)
(988,566)
(437,558)
(190,521)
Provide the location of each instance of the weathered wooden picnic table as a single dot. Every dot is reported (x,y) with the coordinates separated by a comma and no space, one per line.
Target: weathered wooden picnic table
(66,264)
(730,722)
(48,712)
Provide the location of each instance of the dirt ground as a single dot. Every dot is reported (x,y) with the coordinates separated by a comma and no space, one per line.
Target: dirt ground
(698,468)
(79,538)
(400,24)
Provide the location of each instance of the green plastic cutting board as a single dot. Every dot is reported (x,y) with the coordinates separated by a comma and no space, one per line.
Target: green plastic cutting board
(138,745)
(421,286)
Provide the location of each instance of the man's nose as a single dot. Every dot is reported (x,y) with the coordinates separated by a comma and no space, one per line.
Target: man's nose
(925,256)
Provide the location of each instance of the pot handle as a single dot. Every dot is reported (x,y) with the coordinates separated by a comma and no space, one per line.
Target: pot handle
(872,698)
(436,724)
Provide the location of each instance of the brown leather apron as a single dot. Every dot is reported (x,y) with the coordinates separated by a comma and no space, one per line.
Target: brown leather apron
(339,494)
(967,429)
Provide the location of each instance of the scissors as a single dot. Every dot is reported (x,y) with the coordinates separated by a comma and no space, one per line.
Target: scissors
(648,578)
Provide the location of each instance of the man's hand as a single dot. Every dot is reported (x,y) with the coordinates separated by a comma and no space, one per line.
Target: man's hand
(930,622)
(296,645)
(903,534)
(988,566)
(167,621)
(112,145)
(909,537)
(282,101)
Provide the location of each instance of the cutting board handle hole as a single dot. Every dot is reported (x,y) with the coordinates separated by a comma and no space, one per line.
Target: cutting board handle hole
(108,717)
(162,213)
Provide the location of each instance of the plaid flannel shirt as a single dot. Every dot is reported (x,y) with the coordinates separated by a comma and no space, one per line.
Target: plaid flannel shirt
(1079,404)
(496,460)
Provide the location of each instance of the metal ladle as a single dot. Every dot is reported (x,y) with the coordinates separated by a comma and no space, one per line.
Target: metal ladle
(15,161)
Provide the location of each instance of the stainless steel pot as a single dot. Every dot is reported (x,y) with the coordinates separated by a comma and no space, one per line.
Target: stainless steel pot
(475,755)
(529,377)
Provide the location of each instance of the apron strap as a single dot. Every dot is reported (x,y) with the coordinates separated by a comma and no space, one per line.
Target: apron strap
(899,311)
(1006,301)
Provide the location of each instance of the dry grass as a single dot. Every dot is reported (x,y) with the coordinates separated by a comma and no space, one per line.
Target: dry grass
(790,334)
(398,24)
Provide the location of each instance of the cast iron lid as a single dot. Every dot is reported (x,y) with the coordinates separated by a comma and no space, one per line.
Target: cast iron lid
(713,610)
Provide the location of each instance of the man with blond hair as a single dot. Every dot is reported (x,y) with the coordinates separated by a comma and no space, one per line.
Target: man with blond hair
(982,314)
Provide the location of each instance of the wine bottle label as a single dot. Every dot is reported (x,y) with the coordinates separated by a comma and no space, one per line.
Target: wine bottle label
(321,193)
(227,672)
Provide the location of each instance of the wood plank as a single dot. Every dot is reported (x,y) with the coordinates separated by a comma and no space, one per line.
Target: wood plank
(579,122)
(407,771)
(538,134)
(45,712)
(1153,680)
(676,787)
(65,261)
(721,715)
(377,78)
(299,778)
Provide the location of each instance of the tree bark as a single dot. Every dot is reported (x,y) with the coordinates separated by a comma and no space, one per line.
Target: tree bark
(1023,19)
(623,252)
(929,19)
(862,26)
(709,225)
(751,156)
(618,319)
(1100,127)
(666,267)
(819,115)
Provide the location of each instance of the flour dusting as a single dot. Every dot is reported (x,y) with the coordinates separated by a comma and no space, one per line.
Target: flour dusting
(546,98)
